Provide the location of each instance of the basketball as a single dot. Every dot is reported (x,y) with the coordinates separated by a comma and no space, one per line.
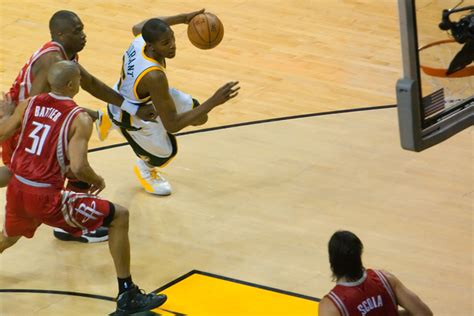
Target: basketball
(205,31)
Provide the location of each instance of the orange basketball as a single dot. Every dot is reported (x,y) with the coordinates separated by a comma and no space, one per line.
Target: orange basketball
(205,31)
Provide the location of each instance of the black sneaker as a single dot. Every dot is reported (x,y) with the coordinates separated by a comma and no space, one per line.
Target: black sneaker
(98,235)
(136,300)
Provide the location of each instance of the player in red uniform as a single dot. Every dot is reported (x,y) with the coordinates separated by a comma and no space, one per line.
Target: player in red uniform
(361,291)
(67,39)
(53,142)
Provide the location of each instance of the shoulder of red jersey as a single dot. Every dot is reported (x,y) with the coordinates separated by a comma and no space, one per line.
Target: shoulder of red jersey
(53,46)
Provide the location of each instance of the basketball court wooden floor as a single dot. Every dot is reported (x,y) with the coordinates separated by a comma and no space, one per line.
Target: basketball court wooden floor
(258,204)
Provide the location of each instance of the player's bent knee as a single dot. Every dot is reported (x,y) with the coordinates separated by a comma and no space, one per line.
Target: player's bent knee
(121,215)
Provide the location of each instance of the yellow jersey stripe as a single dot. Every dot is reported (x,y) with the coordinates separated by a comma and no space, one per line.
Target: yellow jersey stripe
(137,82)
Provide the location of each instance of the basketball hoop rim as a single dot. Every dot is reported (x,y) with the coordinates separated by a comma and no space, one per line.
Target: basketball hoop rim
(441,72)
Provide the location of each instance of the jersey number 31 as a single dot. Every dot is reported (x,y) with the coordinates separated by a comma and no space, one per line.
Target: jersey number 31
(38,135)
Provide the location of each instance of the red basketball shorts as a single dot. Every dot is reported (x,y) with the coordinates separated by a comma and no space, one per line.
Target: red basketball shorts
(29,206)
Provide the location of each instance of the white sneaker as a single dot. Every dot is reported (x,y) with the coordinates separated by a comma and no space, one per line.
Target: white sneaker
(151,180)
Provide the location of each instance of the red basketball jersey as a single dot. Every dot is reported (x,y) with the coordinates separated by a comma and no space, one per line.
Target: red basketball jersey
(41,153)
(372,295)
(21,87)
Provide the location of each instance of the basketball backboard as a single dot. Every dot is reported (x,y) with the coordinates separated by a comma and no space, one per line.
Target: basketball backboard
(435,97)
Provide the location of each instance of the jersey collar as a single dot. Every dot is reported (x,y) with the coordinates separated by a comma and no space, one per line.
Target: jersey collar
(59,97)
(355,283)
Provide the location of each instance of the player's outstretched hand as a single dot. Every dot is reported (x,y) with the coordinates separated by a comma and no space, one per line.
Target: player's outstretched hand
(97,187)
(190,16)
(225,93)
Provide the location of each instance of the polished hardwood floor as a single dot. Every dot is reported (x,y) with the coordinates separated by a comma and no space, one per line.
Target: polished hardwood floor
(259,202)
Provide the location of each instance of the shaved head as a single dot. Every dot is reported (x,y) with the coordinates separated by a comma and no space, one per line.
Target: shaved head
(61,21)
(62,73)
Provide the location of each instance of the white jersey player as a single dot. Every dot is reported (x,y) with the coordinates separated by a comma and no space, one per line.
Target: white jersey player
(143,81)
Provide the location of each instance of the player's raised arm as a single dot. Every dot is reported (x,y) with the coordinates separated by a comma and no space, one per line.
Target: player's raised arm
(170,20)
(80,133)
(156,84)
(11,124)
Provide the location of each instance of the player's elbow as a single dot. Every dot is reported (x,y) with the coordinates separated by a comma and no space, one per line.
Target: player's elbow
(173,130)
(423,309)
(79,169)
(201,121)
(76,171)
(172,126)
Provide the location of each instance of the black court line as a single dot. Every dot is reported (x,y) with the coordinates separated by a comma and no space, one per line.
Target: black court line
(164,287)
(263,287)
(169,284)
(86,295)
(276,119)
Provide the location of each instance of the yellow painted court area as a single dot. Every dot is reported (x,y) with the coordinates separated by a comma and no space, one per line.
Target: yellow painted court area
(201,294)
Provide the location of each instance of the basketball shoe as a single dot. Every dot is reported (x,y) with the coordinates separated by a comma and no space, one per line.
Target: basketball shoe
(103,124)
(151,180)
(99,235)
(136,300)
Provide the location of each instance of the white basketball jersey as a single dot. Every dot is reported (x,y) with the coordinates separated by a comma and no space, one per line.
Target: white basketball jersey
(135,66)
(151,136)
